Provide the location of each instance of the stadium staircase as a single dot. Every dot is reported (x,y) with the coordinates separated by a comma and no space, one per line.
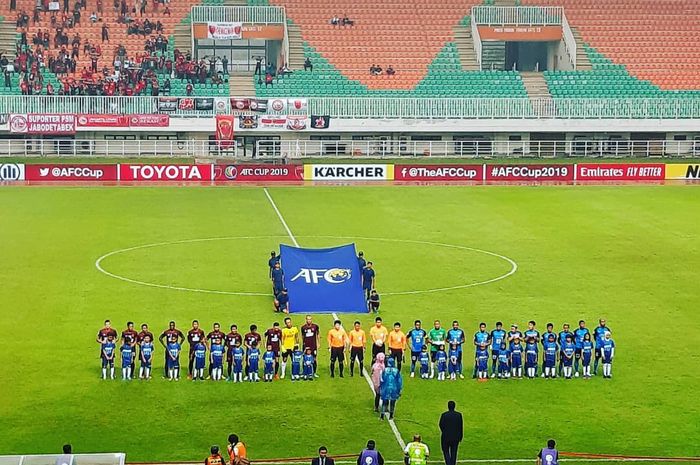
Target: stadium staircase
(296,47)
(8,37)
(182,37)
(242,83)
(465,46)
(583,63)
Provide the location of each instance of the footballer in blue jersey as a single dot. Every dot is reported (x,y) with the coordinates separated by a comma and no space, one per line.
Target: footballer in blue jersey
(454,366)
(599,335)
(253,363)
(580,332)
(237,355)
(587,355)
(482,362)
(531,357)
(274,258)
(268,364)
(513,333)
(568,349)
(200,360)
(608,353)
(416,339)
(441,362)
(146,357)
(560,340)
(503,362)
(173,365)
(516,358)
(297,363)
(550,350)
(277,278)
(217,360)
(498,335)
(309,361)
(531,331)
(107,351)
(455,335)
(480,337)
(424,360)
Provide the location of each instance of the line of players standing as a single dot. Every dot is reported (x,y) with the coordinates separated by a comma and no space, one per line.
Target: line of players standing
(243,353)
(281,296)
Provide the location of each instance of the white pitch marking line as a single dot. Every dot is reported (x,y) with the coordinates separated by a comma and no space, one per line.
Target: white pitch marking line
(279,215)
(335,317)
(344,462)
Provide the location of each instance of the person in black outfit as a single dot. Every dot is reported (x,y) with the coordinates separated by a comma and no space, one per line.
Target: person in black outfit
(451,427)
(308,66)
(322,458)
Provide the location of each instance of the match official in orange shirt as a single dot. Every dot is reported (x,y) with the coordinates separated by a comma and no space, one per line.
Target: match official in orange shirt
(358,339)
(397,344)
(337,341)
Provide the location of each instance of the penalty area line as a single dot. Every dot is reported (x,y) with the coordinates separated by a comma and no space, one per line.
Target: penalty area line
(392,424)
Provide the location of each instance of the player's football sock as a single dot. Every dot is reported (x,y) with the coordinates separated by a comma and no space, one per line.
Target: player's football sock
(111,372)
(362,368)
(352,367)
(332,369)
(104,373)
(340,368)
(576,365)
(284,369)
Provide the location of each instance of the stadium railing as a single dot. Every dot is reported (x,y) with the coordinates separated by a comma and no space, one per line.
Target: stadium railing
(517,15)
(371,107)
(76,459)
(291,149)
(239,14)
(476,149)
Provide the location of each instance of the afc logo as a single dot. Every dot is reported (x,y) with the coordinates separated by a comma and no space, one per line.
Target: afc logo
(316,275)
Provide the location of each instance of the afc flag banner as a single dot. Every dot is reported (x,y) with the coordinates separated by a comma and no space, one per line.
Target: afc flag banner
(323,280)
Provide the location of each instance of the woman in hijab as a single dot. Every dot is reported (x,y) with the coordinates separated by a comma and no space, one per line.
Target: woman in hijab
(377,370)
(390,388)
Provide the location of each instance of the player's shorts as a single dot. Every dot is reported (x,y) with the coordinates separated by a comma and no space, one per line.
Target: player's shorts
(217,362)
(578,352)
(146,364)
(374,306)
(517,362)
(396,353)
(549,362)
(173,363)
(199,363)
(482,366)
(424,368)
(415,356)
(377,350)
(238,367)
(286,353)
(269,369)
(433,356)
(606,359)
(357,353)
(337,353)
(567,362)
(598,352)
(276,350)
(494,354)
(107,363)
(586,359)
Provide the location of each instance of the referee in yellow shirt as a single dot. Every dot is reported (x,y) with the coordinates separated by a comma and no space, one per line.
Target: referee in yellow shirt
(378,334)
(290,338)
(397,344)
(358,339)
(337,341)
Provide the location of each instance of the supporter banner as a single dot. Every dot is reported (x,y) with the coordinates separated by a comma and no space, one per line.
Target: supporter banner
(224,31)
(224,130)
(185,104)
(11,172)
(683,171)
(343,172)
(277,104)
(149,121)
(320,122)
(61,172)
(220,104)
(248,31)
(620,172)
(248,122)
(167,104)
(257,173)
(165,172)
(438,172)
(323,280)
(4,118)
(240,104)
(42,123)
(203,103)
(296,123)
(529,173)
(259,105)
(297,104)
(511,33)
(103,121)
(272,122)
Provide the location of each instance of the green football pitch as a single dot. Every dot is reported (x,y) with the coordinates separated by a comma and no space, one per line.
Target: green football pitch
(629,254)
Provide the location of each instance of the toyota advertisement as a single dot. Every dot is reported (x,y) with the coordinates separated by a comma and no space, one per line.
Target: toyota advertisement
(258,173)
(439,172)
(79,173)
(157,173)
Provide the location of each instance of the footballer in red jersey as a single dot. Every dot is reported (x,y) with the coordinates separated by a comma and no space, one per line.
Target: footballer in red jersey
(311,335)
(230,341)
(249,340)
(130,336)
(194,337)
(273,337)
(172,334)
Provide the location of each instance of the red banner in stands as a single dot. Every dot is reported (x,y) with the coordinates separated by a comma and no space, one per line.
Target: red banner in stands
(60,172)
(620,172)
(149,121)
(258,173)
(529,173)
(438,172)
(157,173)
(224,130)
(103,121)
(42,123)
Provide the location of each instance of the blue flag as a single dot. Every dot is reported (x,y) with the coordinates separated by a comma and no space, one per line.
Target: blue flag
(323,280)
